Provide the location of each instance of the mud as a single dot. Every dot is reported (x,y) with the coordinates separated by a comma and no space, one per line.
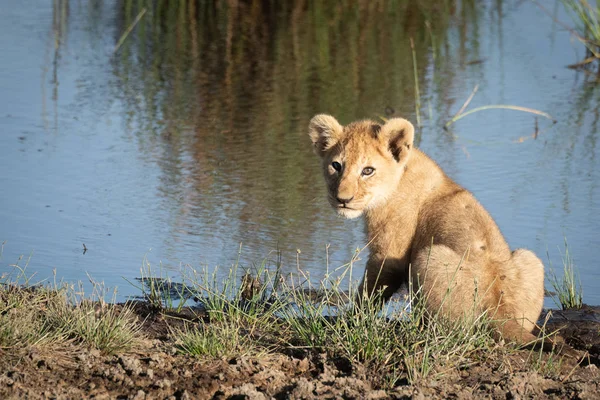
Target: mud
(156,371)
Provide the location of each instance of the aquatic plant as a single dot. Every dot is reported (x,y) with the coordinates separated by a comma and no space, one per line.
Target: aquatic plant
(586,16)
(567,289)
(462,113)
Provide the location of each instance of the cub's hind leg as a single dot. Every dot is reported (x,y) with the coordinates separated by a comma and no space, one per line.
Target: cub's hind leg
(447,282)
(531,298)
(458,287)
(522,295)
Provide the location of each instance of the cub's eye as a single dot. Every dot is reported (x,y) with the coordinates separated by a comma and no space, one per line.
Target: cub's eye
(368,171)
(337,166)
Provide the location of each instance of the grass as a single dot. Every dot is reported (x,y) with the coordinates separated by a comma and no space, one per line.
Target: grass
(546,364)
(242,316)
(257,311)
(586,17)
(567,289)
(94,322)
(160,291)
(22,323)
(360,335)
(213,340)
(243,295)
(50,316)
(401,341)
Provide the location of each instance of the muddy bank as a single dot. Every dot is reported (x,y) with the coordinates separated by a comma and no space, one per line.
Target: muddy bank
(155,369)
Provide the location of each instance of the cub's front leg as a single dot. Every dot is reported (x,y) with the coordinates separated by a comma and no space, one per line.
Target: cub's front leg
(383,277)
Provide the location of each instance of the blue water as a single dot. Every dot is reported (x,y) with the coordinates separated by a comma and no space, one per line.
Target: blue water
(90,157)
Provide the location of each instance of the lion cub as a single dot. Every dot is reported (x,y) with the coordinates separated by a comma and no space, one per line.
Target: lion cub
(416,215)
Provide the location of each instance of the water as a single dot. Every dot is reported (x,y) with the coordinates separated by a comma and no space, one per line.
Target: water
(190,140)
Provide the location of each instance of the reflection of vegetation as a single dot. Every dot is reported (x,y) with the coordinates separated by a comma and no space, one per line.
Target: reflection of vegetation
(129,29)
(577,144)
(60,12)
(221,91)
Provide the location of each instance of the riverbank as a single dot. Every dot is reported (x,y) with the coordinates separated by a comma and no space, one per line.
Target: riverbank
(54,344)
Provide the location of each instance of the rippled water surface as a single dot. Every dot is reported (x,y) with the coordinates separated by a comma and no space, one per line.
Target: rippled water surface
(189,139)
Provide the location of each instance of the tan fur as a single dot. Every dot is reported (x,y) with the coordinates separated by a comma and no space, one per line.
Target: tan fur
(416,215)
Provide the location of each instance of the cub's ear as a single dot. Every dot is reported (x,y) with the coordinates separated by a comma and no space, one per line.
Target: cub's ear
(325,132)
(400,134)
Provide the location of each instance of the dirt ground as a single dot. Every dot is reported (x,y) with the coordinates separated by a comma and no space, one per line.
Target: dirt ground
(159,372)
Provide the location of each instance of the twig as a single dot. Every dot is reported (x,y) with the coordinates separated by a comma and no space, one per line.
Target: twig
(417,93)
(582,63)
(129,29)
(467,102)
(499,106)
(575,366)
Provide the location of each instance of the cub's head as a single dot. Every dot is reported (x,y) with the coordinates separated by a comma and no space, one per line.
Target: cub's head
(362,162)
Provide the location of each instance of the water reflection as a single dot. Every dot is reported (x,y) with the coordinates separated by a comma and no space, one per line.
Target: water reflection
(228,88)
(190,138)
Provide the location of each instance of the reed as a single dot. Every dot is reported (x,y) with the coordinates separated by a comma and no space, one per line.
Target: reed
(586,16)
(416,77)
(462,113)
(567,289)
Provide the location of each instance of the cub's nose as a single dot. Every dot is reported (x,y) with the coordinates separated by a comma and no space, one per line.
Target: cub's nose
(344,200)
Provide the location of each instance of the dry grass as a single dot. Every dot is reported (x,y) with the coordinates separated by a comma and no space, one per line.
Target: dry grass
(42,315)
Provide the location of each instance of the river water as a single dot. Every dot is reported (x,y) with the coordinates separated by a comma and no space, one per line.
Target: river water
(186,145)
